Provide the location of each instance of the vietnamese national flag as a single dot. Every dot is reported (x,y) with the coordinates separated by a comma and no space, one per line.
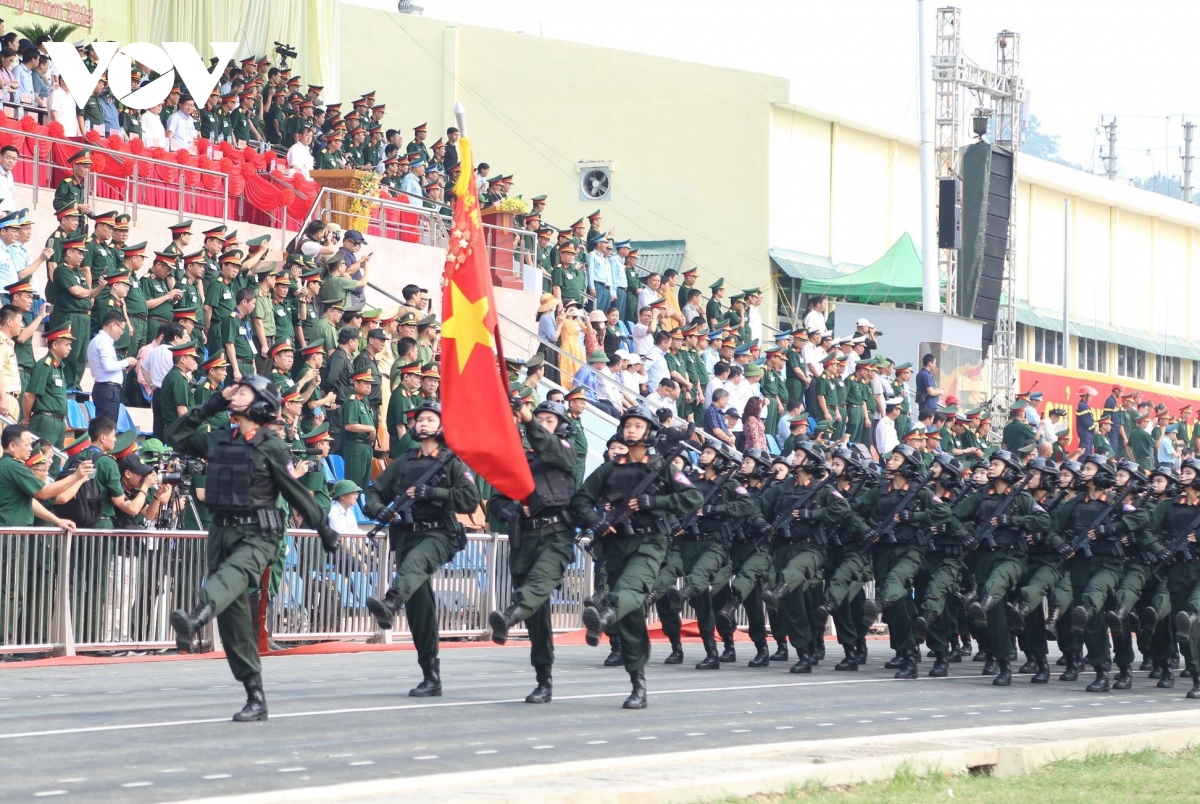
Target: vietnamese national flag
(476,414)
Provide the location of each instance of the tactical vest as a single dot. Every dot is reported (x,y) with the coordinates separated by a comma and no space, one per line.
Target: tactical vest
(1005,537)
(905,533)
(552,487)
(948,537)
(415,466)
(232,486)
(1182,515)
(715,526)
(800,530)
(1085,513)
(624,481)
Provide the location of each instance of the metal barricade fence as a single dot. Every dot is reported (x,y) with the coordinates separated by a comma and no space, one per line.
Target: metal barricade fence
(103,590)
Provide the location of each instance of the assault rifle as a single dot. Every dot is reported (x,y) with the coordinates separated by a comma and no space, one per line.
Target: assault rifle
(1082,540)
(987,534)
(618,515)
(1175,547)
(401,505)
(875,535)
(783,520)
(718,483)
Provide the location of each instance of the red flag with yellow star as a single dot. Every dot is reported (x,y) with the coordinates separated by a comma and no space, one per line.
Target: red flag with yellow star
(476,414)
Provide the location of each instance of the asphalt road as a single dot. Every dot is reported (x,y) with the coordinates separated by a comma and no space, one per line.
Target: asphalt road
(161,731)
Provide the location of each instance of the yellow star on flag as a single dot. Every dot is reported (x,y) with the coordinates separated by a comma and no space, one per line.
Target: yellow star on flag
(466,326)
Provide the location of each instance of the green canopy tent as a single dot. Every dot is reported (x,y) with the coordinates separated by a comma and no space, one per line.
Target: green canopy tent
(895,277)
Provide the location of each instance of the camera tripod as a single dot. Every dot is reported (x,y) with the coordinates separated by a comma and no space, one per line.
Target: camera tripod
(182,501)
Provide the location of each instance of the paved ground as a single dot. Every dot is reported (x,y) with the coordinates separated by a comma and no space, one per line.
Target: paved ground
(160,731)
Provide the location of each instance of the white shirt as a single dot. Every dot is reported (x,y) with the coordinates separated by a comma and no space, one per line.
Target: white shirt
(8,270)
(885,436)
(158,363)
(646,296)
(63,105)
(103,362)
(611,390)
(715,384)
(813,354)
(643,339)
(8,191)
(153,133)
(630,380)
(182,129)
(754,319)
(814,319)
(656,401)
(300,157)
(656,368)
(880,386)
(1048,431)
(343,520)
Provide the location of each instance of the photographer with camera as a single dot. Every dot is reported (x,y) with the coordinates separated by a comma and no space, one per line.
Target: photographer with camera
(248,470)
(315,241)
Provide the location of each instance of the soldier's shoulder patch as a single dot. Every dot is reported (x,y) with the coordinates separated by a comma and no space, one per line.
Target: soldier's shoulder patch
(468,476)
(1127,508)
(1038,507)
(936,499)
(682,479)
(565,443)
(740,490)
(836,493)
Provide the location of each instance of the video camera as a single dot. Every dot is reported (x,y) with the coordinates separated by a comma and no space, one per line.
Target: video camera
(177,470)
(285,52)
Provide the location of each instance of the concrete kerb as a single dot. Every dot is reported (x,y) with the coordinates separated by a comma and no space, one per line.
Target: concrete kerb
(713,774)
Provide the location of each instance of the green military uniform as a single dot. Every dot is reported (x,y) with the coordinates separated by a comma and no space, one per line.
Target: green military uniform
(176,391)
(69,191)
(400,403)
(858,396)
(76,312)
(579,443)
(795,363)
(49,412)
(151,287)
(1141,447)
(357,447)
(773,389)
(219,295)
(108,478)
(364,361)
(236,330)
(101,258)
(423,544)
(740,584)
(337,379)
(1017,434)
(849,571)
(571,281)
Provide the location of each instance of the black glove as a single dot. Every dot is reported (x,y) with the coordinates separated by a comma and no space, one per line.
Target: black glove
(1063,549)
(1006,521)
(645,502)
(1104,530)
(912,516)
(871,536)
(424,492)
(215,404)
(707,510)
(1163,556)
(940,529)
(804,514)
(762,529)
(330,538)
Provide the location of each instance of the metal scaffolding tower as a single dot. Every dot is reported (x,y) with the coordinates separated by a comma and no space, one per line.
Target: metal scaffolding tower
(1001,90)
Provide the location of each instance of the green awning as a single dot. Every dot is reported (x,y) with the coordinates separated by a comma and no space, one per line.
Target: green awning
(802,265)
(656,256)
(894,277)
(1157,345)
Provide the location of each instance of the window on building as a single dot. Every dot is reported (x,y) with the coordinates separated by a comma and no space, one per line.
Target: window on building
(1047,346)
(1021,332)
(1093,355)
(1196,373)
(1131,362)
(1168,370)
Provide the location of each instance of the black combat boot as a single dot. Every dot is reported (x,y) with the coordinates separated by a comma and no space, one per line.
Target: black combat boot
(1115,620)
(256,702)
(781,651)
(676,656)
(761,657)
(819,651)
(1052,623)
(908,665)
(1184,621)
(272,645)
(1042,676)
(711,660)
(637,698)
(1175,656)
(614,650)
(1194,692)
(1147,664)
(544,690)
(1074,664)
(1079,618)
(978,611)
(850,662)
(1101,683)
(1012,652)
(501,621)
(1016,613)
(991,667)
(966,646)
(730,653)
(1124,679)
(1156,670)
(803,663)
(677,597)
(597,599)
(897,661)
(1149,619)
(860,651)
(941,667)
(187,625)
(871,610)
(980,656)
(1166,678)
(596,623)
(387,610)
(1029,666)
(920,629)
(1004,677)
(821,615)
(727,615)
(431,684)
(772,596)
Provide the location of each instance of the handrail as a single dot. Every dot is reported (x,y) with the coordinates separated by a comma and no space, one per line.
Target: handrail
(120,155)
(432,215)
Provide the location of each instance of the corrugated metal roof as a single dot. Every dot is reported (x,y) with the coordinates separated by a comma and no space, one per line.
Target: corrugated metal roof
(801,265)
(656,256)
(1159,345)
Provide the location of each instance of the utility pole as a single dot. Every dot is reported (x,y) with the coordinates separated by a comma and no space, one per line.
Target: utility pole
(930,291)
(1110,160)
(1188,130)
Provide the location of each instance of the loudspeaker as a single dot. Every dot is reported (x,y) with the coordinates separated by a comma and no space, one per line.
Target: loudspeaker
(949,212)
(987,206)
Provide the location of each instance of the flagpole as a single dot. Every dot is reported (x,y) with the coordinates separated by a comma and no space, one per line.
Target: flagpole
(460,114)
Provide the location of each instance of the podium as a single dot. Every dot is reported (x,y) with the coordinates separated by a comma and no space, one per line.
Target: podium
(500,235)
(347,181)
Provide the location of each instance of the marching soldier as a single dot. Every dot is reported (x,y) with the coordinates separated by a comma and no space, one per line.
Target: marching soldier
(939,580)
(424,539)
(1174,523)
(541,538)
(248,472)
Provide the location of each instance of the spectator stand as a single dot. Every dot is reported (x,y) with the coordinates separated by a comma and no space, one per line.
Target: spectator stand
(389,216)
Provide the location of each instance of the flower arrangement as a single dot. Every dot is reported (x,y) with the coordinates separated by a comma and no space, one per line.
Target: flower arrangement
(515,204)
(366,184)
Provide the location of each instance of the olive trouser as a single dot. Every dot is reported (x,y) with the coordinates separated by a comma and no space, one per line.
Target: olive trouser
(1162,640)
(1093,581)
(857,424)
(236,559)
(1037,583)
(742,577)
(670,571)
(843,590)
(633,564)
(48,428)
(702,563)
(1126,596)
(420,554)
(74,364)
(938,583)
(966,583)
(1183,583)
(537,569)
(358,455)
(800,565)
(896,567)
(997,572)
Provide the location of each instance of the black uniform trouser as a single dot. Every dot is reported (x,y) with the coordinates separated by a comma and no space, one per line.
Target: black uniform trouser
(1037,584)
(748,565)
(896,566)
(702,561)
(998,572)
(633,563)
(1093,581)
(420,554)
(537,570)
(237,557)
(844,589)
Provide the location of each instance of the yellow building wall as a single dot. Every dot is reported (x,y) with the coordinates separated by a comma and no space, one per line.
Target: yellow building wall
(690,144)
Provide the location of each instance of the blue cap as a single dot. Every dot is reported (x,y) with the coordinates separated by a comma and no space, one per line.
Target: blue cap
(1171,428)
(418,162)
(11,219)
(26,218)
(744,349)
(596,238)
(623,244)
(783,336)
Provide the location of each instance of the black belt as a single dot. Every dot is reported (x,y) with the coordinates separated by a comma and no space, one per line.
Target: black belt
(142,317)
(110,383)
(234,520)
(542,522)
(421,525)
(51,415)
